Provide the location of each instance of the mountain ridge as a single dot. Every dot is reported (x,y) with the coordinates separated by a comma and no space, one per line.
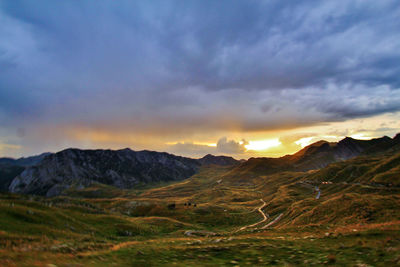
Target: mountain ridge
(316,156)
(24,161)
(126,168)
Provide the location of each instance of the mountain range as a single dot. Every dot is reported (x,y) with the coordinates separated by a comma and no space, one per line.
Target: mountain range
(125,168)
(50,174)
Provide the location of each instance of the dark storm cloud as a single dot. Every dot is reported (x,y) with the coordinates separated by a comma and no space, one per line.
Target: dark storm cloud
(200,65)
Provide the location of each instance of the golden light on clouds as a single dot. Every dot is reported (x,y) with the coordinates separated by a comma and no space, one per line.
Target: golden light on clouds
(192,143)
(9,146)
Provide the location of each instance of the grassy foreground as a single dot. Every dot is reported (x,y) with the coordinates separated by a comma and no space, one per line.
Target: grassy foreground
(201,222)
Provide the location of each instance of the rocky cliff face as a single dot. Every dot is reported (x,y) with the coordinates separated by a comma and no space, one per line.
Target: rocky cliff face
(121,168)
(7,174)
(10,168)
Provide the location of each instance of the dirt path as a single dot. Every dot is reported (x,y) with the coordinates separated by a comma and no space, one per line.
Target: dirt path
(273,222)
(265,217)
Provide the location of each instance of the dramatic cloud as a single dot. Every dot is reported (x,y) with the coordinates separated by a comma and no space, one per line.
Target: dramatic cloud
(188,70)
(230,146)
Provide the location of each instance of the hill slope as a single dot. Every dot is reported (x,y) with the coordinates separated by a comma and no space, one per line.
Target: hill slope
(315,156)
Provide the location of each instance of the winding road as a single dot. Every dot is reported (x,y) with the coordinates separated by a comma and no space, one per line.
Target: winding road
(265,217)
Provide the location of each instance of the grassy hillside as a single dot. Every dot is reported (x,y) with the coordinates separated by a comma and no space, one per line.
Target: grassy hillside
(374,169)
(345,214)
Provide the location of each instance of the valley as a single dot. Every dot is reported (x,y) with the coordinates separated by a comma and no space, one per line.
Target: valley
(260,212)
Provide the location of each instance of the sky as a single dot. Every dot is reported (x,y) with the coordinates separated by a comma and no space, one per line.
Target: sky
(241,78)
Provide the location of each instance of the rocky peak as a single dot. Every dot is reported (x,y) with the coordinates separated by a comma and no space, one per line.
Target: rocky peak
(218,160)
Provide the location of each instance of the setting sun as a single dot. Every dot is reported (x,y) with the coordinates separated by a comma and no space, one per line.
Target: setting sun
(262,144)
